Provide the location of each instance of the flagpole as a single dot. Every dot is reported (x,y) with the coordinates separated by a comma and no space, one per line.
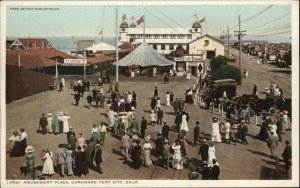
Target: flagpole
(205,26)
(117,53)
(144,27)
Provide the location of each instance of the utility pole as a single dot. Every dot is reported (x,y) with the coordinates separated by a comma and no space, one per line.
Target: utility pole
(240,34)
(228,41)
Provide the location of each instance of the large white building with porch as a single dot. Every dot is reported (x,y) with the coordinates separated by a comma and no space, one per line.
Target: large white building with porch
(201,50)
(164,40)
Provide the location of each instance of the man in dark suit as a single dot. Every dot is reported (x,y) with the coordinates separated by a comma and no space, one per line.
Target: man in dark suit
(43,124)
(79,160)
(215,171)
(196,132)
(178,120)
(160,115)
(98,158)
(165,131)
(155,92)
(143,126)
(206,172)
(203,151)
(287,154)
(71,132)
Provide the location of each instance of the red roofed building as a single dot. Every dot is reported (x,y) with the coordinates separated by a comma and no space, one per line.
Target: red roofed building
(31,44)
(100,63)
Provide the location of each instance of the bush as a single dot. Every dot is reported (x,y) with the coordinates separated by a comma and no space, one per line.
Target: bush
(221,70)
(218,62)
(288,58)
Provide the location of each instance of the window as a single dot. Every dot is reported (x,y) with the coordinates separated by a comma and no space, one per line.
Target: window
(173,36)
(189,36)
(154,46)
(163,47)
(171,47)
(164,36)
(156,37)
(148,36)
(180,36)
(206,42)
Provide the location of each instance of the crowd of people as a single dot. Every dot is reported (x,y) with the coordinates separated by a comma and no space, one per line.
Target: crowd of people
(78,154)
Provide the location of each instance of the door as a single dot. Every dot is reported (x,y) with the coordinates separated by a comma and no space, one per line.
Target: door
(194,72)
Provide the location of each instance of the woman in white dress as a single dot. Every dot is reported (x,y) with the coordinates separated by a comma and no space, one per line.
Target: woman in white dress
(168,99)
(273,127)
(215,135)
(49,125)
(158,105)
(48,168)
(153,117)
(65,119)
(146,159)
(211,153)
(129,97)
(184,125)
(177,160)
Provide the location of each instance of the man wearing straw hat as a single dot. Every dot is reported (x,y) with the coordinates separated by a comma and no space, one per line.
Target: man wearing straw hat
(30,163)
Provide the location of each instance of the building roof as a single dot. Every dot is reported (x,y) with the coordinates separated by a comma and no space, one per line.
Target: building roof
(132,25)
(34,43)
(128,46)
(99,59)
(124,24)
(29,61)
(45,53)
(144,55)
(101,47)
(208,36)
(196,25)
(83,44)
(159,31)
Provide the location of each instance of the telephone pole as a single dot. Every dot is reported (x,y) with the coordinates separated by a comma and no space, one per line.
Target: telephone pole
(240,34)
(228,41)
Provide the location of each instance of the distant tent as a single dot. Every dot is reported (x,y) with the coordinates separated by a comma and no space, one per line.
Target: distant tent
(101,47)
(144,55)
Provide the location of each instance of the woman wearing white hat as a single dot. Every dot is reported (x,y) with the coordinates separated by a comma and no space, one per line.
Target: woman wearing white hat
(48,163)
(30,163)
(215,135)
(177,158)
(146,152)
(65,119)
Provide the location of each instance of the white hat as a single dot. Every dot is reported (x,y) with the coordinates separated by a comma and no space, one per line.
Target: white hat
(29,149)
(147,139)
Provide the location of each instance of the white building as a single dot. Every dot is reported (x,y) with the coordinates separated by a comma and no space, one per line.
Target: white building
(164,40)
(200,50)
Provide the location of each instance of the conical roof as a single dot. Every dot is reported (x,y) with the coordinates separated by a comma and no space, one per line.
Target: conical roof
(132,25)
(124,24)
(144,55)
(196,25)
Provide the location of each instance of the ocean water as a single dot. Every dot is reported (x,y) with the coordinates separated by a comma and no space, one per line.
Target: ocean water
(68,44)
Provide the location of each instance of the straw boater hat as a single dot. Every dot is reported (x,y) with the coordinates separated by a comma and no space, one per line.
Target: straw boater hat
(45,150)
(215,119)
(165,140)
(98,145)
(50,114)
(285,111)
(147,139)
(29,149)
(115,113)
(132,108)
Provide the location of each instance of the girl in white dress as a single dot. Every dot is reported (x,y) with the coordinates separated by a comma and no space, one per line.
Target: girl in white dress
(215,136)
(158,103)
(211,154)
(65,119)
(168,99)
(177,161)
(49,125)
(153,117)
(48,163)
(184,125)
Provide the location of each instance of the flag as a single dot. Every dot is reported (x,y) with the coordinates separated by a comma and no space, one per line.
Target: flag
(195,15)
(123,17)
(141,20)
(202,20)
(101,32)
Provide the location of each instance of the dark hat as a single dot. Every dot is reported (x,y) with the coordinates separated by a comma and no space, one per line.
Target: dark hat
(215,119)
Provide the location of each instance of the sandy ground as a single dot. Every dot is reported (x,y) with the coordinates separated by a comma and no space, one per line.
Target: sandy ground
(236,161)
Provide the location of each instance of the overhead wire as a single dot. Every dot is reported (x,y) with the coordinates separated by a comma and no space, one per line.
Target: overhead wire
(256,15)
(276,19)
(162,21)
(100,23)
(272,28)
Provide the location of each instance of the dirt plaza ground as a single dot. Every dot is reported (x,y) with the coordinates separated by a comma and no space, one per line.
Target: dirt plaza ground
(237,162)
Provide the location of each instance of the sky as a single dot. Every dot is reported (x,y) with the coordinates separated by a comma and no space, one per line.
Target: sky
(79,20)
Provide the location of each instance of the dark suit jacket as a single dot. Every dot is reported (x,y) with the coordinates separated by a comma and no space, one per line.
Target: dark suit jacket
(98,156)
(215,172)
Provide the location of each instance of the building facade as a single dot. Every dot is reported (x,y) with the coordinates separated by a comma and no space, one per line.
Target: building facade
(164,40)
